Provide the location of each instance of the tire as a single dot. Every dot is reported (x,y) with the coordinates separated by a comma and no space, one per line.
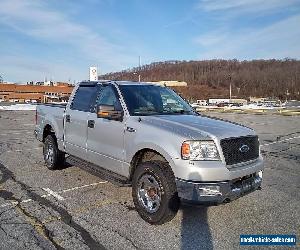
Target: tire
(154,192)
(53,157)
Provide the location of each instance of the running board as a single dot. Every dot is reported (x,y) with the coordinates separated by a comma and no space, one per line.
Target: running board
(104,174)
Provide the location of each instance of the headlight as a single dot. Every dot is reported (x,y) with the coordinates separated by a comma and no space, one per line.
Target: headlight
(199,151)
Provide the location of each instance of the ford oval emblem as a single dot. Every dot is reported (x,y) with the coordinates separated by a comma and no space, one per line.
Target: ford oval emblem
(244,148)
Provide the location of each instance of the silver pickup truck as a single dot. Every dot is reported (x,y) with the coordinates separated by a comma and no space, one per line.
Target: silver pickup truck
(150,138)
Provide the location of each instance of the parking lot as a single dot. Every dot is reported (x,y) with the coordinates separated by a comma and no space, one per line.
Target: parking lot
(72,209)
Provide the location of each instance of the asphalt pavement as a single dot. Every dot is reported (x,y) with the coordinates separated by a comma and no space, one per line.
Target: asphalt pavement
(72,209)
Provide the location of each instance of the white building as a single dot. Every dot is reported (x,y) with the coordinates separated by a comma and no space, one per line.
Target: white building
(217,101)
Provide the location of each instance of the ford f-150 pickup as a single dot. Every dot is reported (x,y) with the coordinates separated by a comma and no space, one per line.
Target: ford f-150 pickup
(152,139)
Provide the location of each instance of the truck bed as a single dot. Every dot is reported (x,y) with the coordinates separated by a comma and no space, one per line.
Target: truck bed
(51,113)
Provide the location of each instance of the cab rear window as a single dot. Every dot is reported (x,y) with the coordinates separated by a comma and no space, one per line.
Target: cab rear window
(84,97)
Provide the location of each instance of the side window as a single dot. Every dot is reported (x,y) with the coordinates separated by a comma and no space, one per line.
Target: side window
(108,96)
(85,95)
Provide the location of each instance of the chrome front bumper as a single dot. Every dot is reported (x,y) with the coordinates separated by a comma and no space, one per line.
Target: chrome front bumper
(218,192)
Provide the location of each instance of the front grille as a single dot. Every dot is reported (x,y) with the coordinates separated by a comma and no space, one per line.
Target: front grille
(234,149)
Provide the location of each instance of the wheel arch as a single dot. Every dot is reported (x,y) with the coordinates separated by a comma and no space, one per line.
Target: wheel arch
(48,130)
(146,154)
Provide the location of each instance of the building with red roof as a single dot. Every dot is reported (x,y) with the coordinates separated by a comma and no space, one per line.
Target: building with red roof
(34,93)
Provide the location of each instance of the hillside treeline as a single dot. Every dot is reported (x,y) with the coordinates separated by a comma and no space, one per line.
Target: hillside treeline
(211,78)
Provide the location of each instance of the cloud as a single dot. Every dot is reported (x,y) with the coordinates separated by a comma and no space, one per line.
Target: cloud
(269,29)
(37,20)
(25,68)
(241,6)
(278,40)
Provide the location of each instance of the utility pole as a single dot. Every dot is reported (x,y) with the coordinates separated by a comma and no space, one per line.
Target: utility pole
(229,88)
(139,68)
(1,79)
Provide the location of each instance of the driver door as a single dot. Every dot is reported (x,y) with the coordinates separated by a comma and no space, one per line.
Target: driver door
(105,143)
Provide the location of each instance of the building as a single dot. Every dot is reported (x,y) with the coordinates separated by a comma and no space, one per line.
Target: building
(171,83)
(264,101)
(64,84)
(227,101)
(256,100)
(24,97)
(34,93)
(218,101)
(49,83)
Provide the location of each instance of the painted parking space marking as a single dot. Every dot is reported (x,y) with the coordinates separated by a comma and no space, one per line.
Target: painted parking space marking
(17,133)
(21,150)
(287,139)
(23,201)
(54,194)
(12,203)
(84,186)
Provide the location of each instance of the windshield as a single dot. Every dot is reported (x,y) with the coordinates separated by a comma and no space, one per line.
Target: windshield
(153,100)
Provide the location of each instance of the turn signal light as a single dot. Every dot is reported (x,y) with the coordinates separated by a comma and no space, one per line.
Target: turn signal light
(103,113)
(185,150)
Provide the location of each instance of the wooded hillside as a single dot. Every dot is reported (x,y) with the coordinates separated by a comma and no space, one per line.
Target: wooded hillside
(211,78)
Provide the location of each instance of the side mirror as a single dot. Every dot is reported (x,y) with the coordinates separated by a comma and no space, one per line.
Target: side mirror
(108,112)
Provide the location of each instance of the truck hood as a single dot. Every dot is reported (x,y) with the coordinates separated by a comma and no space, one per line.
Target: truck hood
(198,127)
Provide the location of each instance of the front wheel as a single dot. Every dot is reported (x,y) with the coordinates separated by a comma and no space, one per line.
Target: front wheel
(154,192)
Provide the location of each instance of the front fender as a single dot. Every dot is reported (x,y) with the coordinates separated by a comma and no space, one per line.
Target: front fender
(155,147)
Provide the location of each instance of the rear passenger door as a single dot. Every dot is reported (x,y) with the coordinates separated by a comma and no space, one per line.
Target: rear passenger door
(76,120)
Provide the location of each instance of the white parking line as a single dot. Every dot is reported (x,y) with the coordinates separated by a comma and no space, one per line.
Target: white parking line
(20,150)
(54,194)
(287,139)
(17,133)
(76,188)
(28,200)
(23,201)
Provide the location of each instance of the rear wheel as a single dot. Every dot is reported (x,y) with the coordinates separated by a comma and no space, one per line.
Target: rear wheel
(154,192)
(54,158)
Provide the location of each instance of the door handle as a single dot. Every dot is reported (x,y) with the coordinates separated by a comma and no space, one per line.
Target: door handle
(129,129)
(68,118)
(91,123)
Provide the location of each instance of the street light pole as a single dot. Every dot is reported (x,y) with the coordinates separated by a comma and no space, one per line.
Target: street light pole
(139,68)
(230,91)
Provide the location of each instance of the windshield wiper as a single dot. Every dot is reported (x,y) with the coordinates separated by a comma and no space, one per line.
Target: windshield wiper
(145,111)
(181,111)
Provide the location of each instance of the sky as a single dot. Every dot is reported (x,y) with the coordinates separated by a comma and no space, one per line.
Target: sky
(61,39)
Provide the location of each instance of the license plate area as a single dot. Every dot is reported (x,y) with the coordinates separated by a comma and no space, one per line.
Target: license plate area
(247,185)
